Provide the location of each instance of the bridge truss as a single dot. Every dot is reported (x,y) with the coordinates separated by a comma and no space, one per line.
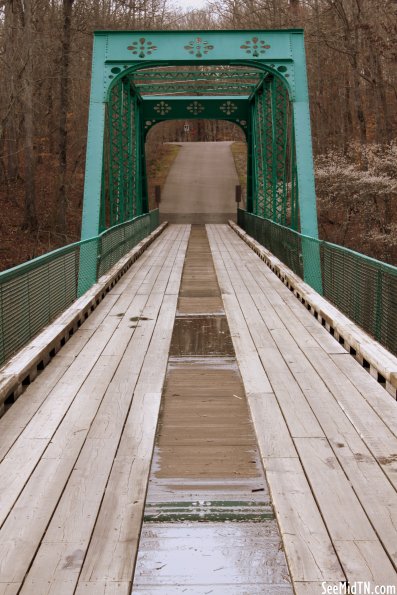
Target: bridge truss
(256,79)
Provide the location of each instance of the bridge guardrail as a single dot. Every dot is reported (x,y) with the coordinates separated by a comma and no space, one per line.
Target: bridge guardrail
(363,288)
(34,293)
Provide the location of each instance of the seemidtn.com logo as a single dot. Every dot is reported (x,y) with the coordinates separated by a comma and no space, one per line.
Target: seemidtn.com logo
(357,588)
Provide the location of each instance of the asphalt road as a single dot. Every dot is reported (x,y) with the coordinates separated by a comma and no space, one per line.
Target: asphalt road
(200,187)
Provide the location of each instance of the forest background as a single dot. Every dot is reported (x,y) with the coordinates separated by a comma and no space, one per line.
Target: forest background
(45,63)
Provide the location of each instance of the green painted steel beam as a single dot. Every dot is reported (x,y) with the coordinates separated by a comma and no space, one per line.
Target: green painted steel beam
(191,47)
(196,88)
(180,75)
(159,109)
(275,117)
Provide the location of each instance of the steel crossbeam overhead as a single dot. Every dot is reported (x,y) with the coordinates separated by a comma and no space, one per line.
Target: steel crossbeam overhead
(159,109)
(211,72)
(256,79)
(193,88)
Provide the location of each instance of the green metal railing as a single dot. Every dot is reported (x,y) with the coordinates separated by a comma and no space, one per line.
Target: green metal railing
(363,288)
(36,292)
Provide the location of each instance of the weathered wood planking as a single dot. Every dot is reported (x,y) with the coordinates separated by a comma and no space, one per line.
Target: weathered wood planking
(309,550)
(319,404)
(84,423)
(365,348)
(33,441)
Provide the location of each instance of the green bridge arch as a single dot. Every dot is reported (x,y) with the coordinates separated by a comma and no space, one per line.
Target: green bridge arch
(256,79)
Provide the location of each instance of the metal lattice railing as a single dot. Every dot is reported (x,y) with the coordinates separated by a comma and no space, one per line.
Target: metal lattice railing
(117,241)
(363,288)
(36,292)
(283,242)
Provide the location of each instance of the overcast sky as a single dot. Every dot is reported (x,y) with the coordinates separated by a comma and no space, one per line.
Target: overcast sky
(191,3)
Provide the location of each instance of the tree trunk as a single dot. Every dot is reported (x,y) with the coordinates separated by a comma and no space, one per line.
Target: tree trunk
(30,218)
(60,215)
(10,121)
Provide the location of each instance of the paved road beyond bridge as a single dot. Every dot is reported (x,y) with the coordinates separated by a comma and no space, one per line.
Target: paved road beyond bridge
(201,185)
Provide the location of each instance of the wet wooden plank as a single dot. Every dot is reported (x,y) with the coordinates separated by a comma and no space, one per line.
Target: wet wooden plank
(23,531)
(210,556)
(310,553)
(340,410)
(347,420)
(112,551)
(70,529)
(309,550)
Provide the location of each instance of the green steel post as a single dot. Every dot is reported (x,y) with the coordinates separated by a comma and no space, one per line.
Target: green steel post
(294,189)
(126,152)
(144,185)
(138,160)
(274,107)
(250,205)
(268,147)
(255,158)
(93,170)
(305,168)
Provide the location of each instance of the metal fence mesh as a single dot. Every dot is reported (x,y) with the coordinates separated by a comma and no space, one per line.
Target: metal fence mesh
(283,242)
(33,294)
(36,292)
(363,288)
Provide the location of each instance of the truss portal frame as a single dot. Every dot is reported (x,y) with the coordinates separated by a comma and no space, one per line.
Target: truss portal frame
(260,73)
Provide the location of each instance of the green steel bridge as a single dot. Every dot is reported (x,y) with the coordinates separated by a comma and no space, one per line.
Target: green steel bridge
(246,373)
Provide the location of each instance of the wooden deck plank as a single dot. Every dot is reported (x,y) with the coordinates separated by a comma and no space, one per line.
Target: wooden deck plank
(64,448)
(9,588)
(367,419)
(370,427)
(20,414)
(30,401)
(69,531)
(348,441)
(23,530)
(104,588)
(127,287)
(113,547)
(73,347)
(343,513)
(370,389)
(365,561)
(274,440)
(31,444)
(375,495)
(301,420)
(309,550)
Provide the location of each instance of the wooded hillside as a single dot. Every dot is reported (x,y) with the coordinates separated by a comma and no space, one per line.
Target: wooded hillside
(44,94)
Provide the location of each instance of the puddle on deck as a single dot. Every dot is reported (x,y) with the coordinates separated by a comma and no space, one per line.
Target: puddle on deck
(209,524)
